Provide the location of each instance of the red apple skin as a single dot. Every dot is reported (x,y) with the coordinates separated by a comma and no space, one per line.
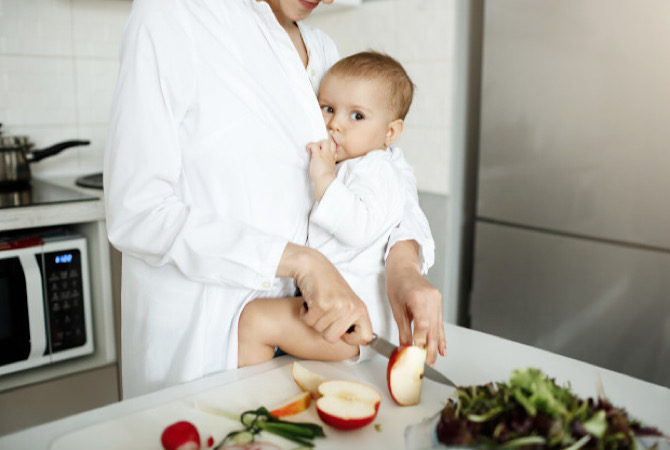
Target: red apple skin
(294,405)
(347,405)
(347,424)
(181,435)
(392,361)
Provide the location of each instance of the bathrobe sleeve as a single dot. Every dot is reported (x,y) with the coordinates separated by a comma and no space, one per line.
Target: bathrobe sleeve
(363,203)
(150,214)
(414,224)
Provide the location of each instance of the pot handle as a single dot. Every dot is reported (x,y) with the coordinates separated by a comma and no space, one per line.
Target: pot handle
(54,149)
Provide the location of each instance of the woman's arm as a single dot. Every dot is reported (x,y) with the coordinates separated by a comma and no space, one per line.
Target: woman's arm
(263,327)
(411,251)
(333,307)
(414,299)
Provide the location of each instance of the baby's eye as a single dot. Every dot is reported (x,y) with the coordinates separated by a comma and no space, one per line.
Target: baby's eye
(327,109)
(357,116)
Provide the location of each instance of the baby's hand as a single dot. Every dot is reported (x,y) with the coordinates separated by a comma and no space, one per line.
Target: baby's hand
(322,164)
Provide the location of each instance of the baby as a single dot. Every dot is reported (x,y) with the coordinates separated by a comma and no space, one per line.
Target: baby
(359,193)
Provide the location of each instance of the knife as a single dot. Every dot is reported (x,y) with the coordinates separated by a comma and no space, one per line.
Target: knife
(384,347)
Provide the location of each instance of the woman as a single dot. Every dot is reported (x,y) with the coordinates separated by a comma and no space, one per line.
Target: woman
(208,192)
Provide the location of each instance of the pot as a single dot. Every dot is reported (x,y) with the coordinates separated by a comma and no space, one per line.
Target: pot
(15,197)
(16,154)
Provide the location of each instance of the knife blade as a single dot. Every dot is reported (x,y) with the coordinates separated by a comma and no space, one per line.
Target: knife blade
(385,348)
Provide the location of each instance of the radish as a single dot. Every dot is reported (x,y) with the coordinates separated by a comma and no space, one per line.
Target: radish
(181,435)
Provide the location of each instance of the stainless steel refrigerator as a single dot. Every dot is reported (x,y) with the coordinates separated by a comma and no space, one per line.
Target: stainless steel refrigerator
(571,184)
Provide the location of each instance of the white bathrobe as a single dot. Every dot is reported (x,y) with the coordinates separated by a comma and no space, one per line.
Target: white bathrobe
(206,177)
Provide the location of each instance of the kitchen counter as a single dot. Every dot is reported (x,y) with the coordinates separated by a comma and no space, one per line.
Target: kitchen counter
(473,358)
(57,213)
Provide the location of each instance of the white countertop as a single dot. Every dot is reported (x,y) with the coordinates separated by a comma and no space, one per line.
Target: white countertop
(473,358)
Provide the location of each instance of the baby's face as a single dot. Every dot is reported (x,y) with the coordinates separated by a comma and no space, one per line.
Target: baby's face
(356,113)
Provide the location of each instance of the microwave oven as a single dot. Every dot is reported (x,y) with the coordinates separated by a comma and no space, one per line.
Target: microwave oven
(45,304)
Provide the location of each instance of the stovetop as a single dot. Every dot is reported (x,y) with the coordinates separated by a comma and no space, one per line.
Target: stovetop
(41,193)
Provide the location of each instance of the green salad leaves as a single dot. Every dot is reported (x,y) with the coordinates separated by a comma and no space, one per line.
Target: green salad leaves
(532,411)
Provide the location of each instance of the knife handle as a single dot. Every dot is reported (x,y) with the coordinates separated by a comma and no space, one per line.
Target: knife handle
(350,330)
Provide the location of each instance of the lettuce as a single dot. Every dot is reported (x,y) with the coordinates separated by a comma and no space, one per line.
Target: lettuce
(532,411)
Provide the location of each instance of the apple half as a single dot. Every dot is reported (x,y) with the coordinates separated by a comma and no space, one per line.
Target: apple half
(296,404)
(404,374)
(347,405)
(306,380)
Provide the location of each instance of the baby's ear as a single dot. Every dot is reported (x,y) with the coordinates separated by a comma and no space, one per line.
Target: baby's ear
(394,131)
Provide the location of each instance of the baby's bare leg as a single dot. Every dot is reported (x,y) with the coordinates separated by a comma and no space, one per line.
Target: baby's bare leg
(267,323)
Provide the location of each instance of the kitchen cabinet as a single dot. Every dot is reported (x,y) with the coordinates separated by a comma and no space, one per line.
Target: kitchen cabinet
(55,390)
(54,399)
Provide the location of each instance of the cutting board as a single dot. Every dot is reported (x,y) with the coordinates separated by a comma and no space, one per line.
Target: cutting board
(142,430)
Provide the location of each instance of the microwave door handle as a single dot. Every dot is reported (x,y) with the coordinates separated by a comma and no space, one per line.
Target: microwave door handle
(36,309)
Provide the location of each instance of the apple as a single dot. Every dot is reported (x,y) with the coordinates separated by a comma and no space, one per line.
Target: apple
(181,435)
(404,374)
(294,405)
(306,380)
(347,405)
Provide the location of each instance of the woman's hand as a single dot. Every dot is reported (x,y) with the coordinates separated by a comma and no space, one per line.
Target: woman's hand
(414,299)
(333,307)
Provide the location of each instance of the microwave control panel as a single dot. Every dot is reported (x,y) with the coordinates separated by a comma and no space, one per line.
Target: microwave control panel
(63,292)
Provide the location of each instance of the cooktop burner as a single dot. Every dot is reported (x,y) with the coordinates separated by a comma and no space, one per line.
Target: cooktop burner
(41,193)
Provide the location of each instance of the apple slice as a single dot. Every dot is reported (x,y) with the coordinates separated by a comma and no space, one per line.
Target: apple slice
(294,405)
(404,374)
(347,405)
(306,380)
(181,435)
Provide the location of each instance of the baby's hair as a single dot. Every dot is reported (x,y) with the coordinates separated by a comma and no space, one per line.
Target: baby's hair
(375,65)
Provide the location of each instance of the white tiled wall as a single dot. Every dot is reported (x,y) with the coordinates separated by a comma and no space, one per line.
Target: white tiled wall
(420,34)
(58,64)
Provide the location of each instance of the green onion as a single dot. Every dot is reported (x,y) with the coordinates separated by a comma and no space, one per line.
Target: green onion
(260,419)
